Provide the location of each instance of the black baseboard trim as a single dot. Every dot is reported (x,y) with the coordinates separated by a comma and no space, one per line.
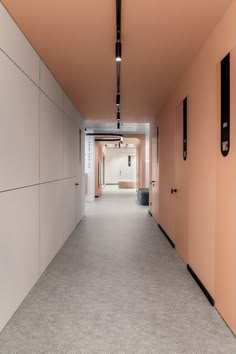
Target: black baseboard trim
(149,212)
(202,287)
(167,237)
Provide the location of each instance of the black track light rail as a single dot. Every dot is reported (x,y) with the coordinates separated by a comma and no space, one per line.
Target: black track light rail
(118,59)
(118,77)
(118,20)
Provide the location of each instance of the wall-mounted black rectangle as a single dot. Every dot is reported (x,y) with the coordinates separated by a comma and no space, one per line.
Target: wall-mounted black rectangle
(225,105)
(129,161)
(157,143)
(185,116)
(166,236)
(80,146)
(198,281)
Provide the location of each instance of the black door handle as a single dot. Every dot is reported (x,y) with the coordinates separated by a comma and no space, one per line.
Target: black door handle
(77,184)
(173,190)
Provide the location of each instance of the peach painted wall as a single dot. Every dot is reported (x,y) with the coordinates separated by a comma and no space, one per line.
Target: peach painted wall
(140,158)
(166,169)
(225,252)
(199,83)
(139,165)
(98,159)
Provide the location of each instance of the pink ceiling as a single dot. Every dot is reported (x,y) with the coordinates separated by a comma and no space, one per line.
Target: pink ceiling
(76,39)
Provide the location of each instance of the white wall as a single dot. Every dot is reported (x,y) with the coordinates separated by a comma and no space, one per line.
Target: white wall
(40,164)
(116,164)
(111,166)
(90,168)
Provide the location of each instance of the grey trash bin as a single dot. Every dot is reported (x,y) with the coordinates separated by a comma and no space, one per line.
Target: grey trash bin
(143,196)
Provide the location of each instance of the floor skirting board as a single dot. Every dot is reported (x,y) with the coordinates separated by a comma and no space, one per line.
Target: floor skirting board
(167,237)
(198,281)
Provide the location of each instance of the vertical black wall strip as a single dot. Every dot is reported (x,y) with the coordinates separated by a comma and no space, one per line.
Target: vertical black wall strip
(225,105)
(185,113)
(80,146)
(157,144)
(129,160)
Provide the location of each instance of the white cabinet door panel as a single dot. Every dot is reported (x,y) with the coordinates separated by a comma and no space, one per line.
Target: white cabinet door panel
(19,127)
(51,140)
(19,248)
(50,86)
(51,221)
(69,148)
(70,109)
(69,206)
(17,47)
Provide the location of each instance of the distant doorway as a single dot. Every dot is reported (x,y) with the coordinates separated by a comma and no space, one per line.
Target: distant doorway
(120,164)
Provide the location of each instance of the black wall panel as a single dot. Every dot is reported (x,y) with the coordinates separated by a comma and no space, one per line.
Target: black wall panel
(185,113)
(225,105)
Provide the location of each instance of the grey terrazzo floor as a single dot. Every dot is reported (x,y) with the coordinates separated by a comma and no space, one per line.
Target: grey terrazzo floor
(116,286)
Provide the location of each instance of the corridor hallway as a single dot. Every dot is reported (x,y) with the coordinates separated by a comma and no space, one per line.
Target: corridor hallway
(116,286)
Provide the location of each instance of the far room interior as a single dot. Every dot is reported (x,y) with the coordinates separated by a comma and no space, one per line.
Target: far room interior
(123,162)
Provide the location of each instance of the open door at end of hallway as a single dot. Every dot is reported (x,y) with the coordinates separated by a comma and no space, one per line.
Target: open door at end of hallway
(180,189)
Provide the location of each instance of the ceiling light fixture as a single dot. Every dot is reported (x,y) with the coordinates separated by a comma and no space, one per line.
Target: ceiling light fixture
(118,51)
(106,136)
(107,139)
(101,134)
(118,99)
